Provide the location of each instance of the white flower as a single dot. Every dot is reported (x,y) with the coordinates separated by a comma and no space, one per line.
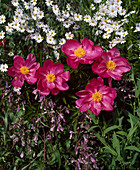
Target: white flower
(46,28)
(71,20)
(55,9)
(49,2)
(16,25)
(56,54)
(19,12)
(112,12)
(97,16)
(39,38)
(98,32)
(108,29)
(51,40)
(68,7)
(2,19)
(78,17)
(97,1)
(60,18)
(106,35)
(33,2)
(103,12)
(66,24)
(30,29)
(65,14)
(9,27)
(15,2)
(76,27)
(27,5)
(10,53)
(123,34)
(40,15)
(17,89)
(2,35)
(93,22)
(92,7)
(52,33)
(36,10)
(87,18)
(3,67)
(39,24)
(69,35)
(62,41)
(122,12)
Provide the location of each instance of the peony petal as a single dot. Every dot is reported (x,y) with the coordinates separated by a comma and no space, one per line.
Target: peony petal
(18,62)
(72,63)
(65,75)
(30,79)
(55,91)
(11,71)
(114,52)
(17,82)
(62,87)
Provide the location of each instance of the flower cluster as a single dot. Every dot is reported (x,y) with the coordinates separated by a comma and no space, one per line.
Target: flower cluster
(109,65)
(52,76)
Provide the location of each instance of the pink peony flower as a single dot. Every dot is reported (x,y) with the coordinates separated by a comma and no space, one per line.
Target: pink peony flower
(84,52)
(52,78)
(23,70)
(95,97)
(111,65)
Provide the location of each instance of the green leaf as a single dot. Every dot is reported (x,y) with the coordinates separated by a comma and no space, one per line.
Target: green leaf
(110,128)
(121,133)
(107,147)
(134,148)
(133,120)
(116,144)
(93,117)
(132,130)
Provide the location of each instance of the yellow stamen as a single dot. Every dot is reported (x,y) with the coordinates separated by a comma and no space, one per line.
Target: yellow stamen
(50,77)
(97,96)
(111,65)
(24,70)
(80,52)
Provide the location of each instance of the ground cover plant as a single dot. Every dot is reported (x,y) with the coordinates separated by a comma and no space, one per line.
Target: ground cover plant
(69,84)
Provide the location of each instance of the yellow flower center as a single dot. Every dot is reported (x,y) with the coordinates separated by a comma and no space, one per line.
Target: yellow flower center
(80,52)
(24,70)
(50,77)
(97,96)
(111,65)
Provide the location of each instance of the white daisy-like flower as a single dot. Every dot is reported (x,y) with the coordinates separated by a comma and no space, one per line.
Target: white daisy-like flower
(19,12)
(68,7)
(16,89)
(33,2)
(97,16)
(50,40)
(97,1)
(66,24)
(2,34)
(16,25)
(49,2)
(36,10)
(87,18)
(39,38)
(40,15)
(2,19)
(122,12)
(76,27)
(98,32)
(92,7)
(71,20)
(52,33)
(46,28)
(56,54)
(15,2)
(108,29)
(65,14)
(27,5)
(106,35)
(55,9)
(30,29)
(62,41)
(69,35)
(123,34)
(93,22)
(9,27)
(11,53)
(3,67)
(60,18)
(39,24)
(78,17)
